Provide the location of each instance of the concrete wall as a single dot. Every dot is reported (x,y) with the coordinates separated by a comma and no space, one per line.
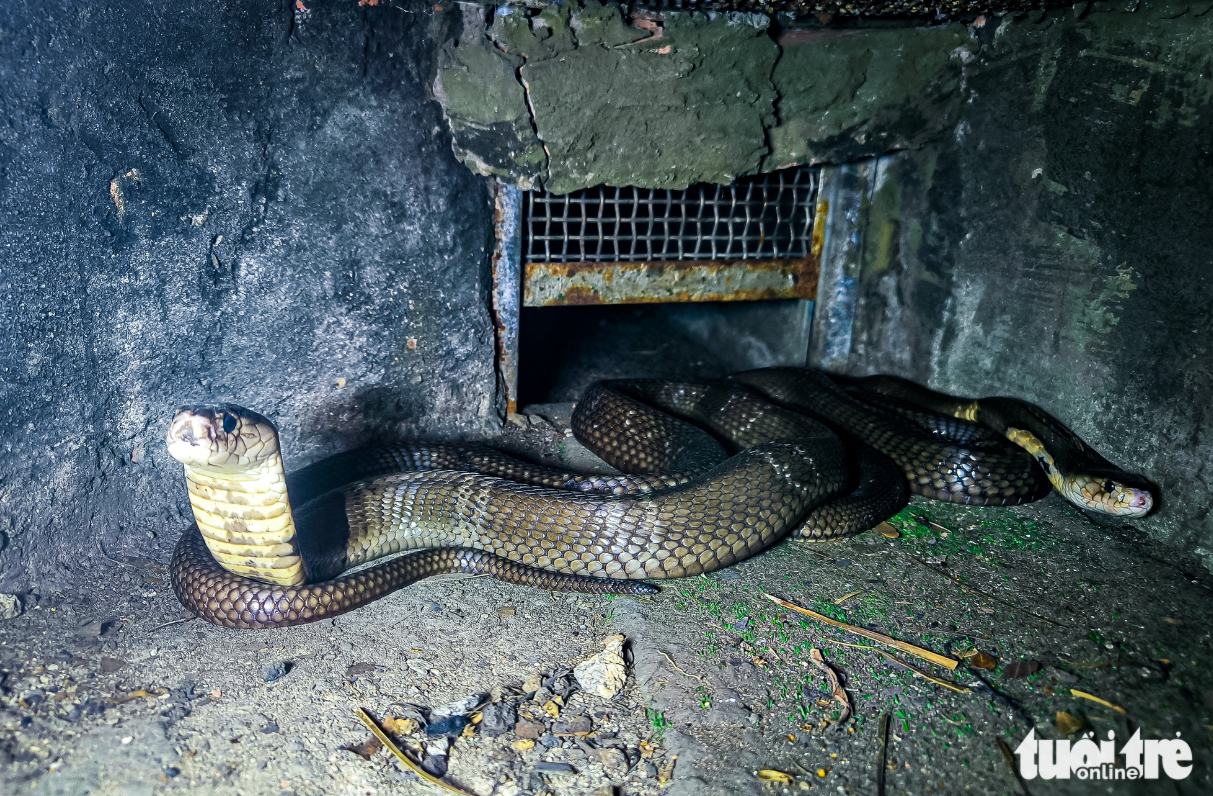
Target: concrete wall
(258,203)
(1036,223)
(220,201)
(1056,246)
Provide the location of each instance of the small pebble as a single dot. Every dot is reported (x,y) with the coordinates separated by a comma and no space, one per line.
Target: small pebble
(275,671)
(450,725)
(270,728)
(554,768)
(843,562)
(498,719)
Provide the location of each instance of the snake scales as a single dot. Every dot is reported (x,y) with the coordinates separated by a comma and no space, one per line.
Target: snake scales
(711,474)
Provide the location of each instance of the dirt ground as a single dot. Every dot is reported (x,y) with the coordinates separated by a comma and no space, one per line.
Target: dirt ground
(111,689)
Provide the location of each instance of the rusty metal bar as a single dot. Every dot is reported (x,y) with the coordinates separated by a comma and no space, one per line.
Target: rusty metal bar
(507,257)
(564,284)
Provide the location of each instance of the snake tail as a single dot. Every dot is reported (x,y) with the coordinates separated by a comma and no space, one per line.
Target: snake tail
(230,600)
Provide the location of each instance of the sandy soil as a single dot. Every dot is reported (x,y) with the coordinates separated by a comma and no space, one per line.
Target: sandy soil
(107,690)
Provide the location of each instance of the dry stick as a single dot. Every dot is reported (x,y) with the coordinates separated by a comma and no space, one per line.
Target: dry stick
(1097,700)
(676,666)
(174,622)
(846,597)
(408,762)
(965,587)
(1010,758)
(960,689)
(884,754)
(925,654)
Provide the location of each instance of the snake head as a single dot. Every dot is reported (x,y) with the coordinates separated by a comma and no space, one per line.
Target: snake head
(222,436)
(1109,494)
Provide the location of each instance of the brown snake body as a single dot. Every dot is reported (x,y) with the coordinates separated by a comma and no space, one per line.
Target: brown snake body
(682,506)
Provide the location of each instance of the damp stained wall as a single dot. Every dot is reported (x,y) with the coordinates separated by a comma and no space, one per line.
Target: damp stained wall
(1056,246)
(242,202)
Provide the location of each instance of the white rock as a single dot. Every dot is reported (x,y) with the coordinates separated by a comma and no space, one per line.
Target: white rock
(605,673)
(10,606)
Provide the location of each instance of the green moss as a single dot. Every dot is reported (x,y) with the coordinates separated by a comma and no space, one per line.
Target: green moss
(691,107)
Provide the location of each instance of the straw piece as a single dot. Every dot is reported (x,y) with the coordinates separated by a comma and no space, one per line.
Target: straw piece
(846,597)
(960,689)
(408,762)
(1096,700)
(925,654)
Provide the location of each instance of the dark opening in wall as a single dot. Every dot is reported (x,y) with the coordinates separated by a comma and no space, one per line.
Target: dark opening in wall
(564,349)
(691,283)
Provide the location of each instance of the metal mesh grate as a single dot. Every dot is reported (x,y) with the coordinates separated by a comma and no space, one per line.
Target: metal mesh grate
(767,217)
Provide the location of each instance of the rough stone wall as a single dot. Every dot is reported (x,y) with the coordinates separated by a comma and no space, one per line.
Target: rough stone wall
(570,97)
(245,202)
(1057,247)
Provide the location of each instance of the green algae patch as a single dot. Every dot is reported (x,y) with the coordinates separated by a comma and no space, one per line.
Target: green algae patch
(485,106)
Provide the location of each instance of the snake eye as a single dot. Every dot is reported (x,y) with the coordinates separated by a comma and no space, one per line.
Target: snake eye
(229,423)
(1108,487)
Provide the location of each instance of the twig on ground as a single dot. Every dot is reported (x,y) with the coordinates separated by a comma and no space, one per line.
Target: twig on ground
(1084,695)
(846,597)
(1010,758)
(884,754)
(925,654)
(174,622)
(960,689)
(666,655)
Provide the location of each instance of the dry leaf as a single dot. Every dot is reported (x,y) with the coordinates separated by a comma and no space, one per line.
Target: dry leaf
(771,775)
(551,708)
(888,531)
(366,750)
(506,612)
(1171,621)
(400,726)
(1021,668)
(1068,723)
(523,745)
(983,661)
(647,750)
(839,693)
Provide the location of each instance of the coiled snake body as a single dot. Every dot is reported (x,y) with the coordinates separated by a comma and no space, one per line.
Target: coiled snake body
(270,549)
